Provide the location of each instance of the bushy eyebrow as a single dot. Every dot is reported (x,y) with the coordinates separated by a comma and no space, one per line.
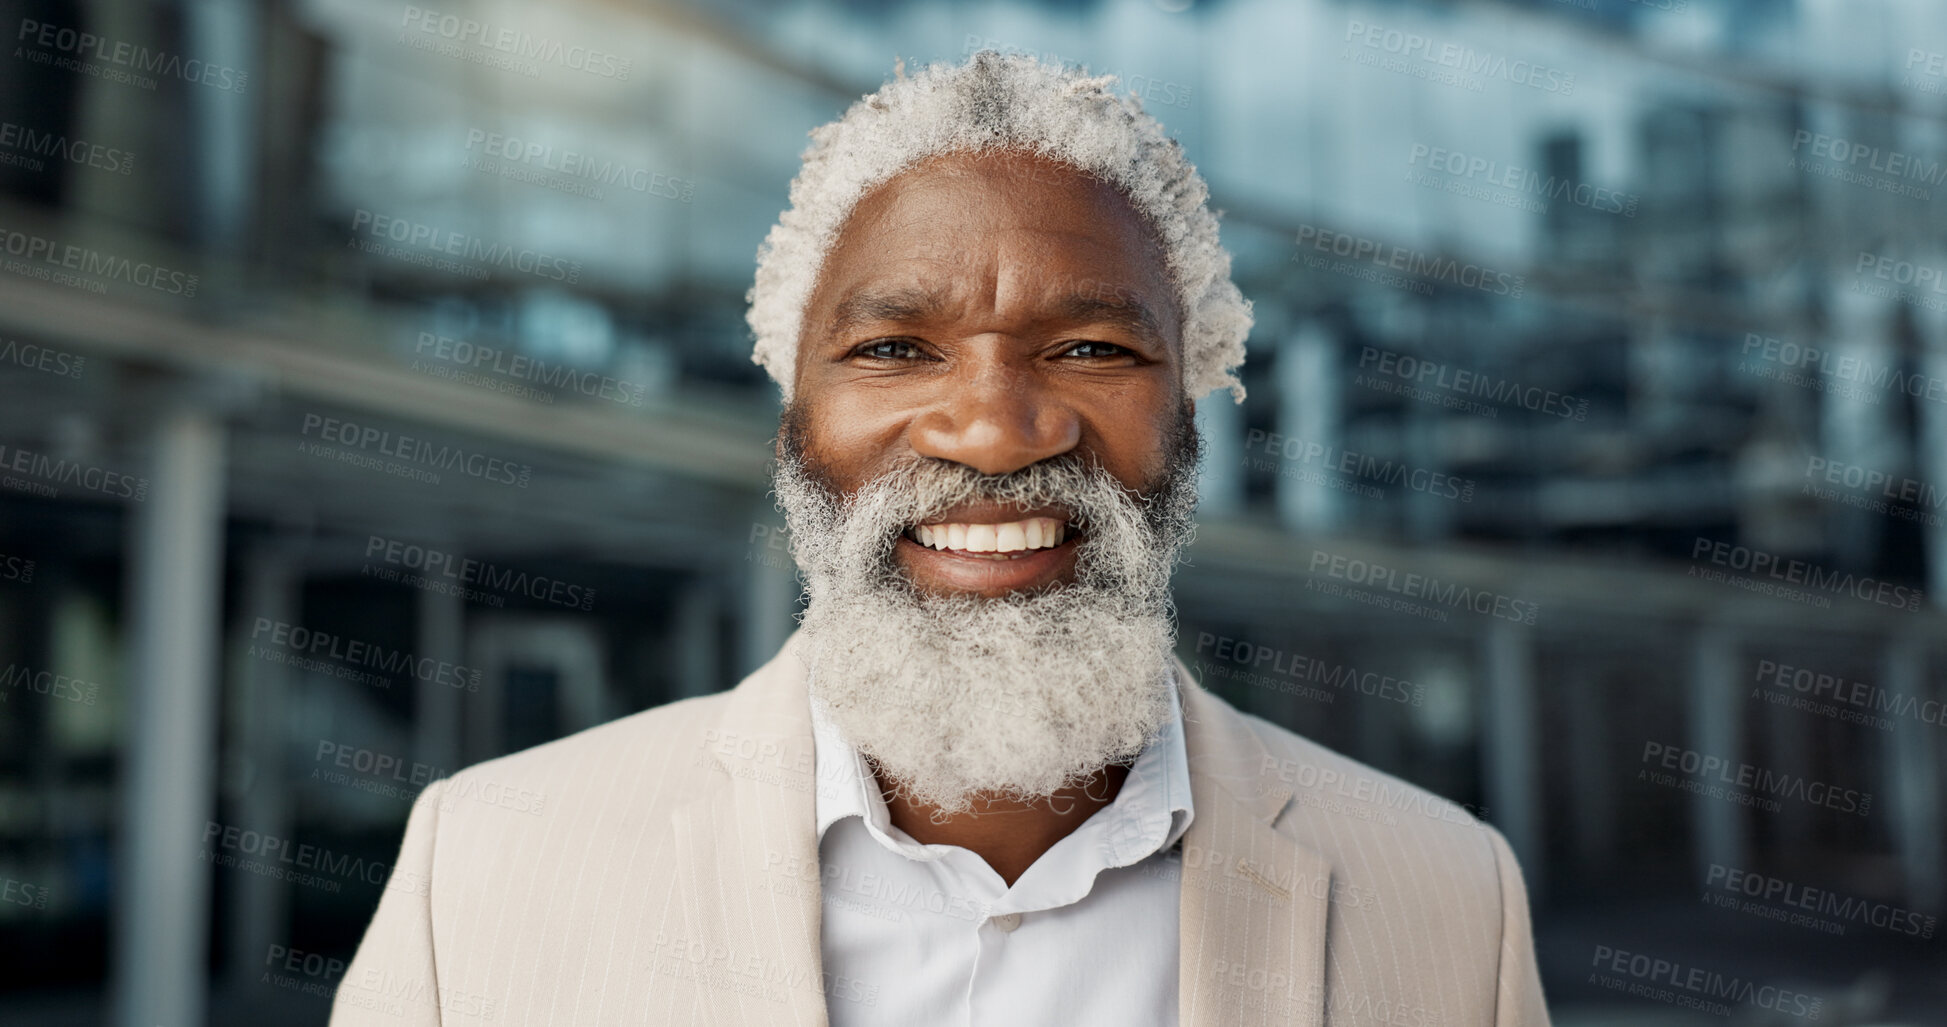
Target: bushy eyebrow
(913,305)
(896,306)
(1124,311)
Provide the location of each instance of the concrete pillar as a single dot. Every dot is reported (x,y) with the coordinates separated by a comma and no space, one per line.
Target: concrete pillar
(436,705)
(1380,726)
(567,649)
(1930,449)
(162,895)
(224,33)
(1429,515)
(1509,746)
(483,714)
(1220,423)
(1913,772)
(1788,747)
(575,650)
(1308,410)
(1853,430)
(1653,351)
(1717,826)
(1592,815)
(259,906)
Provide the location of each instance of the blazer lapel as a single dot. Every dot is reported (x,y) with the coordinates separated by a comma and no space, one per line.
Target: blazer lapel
(747,862)
(1254,903)
(1252,909)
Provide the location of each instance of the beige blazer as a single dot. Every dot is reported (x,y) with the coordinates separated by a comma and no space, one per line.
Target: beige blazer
(663,869)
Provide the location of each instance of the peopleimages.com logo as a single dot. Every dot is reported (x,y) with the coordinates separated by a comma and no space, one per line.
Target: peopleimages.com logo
(1352,464)
(1694,987)
(1447,62)
(1432,376)
(1517,179)
(45,475)
(1830,695)
(1364,256)
(516,367)
(437,570)
(1891,278)
(1846,374)
(1716,774)
(74,50)
(43,255)
(1874,490)
(16,568)
(1259,664)
(1421,587)
(1770,574)
(533,161)
(46,682)
(281,637)
(1817,908)
(433,26)
(23,893)
(41,358)
(31,149)
(429,245)
(406,449)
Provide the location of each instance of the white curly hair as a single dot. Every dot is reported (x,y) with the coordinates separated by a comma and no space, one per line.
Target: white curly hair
(1004,101)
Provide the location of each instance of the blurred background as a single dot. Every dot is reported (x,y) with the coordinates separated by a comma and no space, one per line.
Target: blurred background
(375,399)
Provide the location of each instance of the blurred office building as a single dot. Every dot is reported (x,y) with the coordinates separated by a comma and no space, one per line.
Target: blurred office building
(375,399)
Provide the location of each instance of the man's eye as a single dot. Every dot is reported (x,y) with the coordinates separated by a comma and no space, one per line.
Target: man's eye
(1096,350)
(888,349)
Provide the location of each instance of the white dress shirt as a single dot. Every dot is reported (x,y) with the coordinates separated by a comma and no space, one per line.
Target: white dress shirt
(930,934)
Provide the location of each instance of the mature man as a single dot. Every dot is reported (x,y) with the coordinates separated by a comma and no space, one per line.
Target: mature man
(975,787)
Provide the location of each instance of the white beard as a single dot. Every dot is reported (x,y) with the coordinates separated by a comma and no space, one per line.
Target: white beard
(956,697)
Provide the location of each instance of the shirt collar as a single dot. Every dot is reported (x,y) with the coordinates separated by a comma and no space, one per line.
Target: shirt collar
(1150,813)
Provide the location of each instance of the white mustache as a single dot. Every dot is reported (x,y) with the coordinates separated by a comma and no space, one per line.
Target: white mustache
(1122,529)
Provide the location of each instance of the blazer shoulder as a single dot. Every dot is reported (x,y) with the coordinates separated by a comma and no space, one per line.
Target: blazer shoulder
(1415,877)
(1339,803)
(654,753)
(666,722)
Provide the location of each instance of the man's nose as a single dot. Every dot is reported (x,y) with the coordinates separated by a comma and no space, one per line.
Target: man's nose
(997,422)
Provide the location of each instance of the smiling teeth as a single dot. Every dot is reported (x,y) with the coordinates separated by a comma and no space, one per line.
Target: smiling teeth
(1013,536)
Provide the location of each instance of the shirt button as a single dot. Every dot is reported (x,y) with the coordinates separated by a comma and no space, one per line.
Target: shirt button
(1006,922)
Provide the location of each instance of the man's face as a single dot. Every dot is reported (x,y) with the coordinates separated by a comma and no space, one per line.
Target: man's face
(991,311)
(988,471)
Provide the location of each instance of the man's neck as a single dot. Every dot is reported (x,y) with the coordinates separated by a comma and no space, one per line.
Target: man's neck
(1009,835)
